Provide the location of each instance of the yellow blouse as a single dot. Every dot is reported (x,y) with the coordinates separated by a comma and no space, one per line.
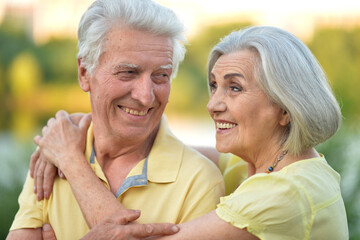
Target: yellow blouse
(301,201)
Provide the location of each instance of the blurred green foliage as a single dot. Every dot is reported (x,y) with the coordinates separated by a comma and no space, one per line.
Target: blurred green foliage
(190,94)
(338,51)
(37,80)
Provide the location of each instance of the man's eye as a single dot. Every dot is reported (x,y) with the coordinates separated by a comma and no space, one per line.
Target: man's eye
(161,77)
(212,87)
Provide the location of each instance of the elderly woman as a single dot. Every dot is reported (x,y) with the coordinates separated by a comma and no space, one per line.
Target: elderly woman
(271,104)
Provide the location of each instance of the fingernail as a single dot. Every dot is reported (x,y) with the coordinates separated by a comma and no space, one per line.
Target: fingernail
(175,229)
(46,195)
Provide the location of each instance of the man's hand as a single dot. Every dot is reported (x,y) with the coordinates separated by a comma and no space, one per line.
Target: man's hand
(120,226)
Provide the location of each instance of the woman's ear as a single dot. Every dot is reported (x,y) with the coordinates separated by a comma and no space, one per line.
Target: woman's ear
(285,118)
(83,76)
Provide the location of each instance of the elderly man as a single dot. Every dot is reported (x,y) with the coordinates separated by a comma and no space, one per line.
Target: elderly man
(128,52)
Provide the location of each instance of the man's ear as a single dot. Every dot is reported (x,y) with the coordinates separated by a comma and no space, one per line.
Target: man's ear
(285,118)
(83,76)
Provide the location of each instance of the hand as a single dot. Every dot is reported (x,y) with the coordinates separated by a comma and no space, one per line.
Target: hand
(119,226)
(62,139)
(44,174)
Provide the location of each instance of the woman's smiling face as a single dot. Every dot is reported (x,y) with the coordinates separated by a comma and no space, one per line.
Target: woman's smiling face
(246,120)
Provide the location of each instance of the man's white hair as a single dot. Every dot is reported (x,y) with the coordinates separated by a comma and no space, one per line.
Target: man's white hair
(144,15)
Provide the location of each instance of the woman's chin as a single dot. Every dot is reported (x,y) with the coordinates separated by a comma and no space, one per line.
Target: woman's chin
(223,148)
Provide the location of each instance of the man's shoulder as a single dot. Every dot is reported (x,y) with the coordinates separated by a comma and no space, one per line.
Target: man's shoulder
(194,161)
(194,157)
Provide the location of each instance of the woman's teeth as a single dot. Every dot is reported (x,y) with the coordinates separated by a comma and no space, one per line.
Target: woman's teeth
(225,125)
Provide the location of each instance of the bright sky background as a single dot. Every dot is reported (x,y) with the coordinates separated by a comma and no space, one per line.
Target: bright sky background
(291,15)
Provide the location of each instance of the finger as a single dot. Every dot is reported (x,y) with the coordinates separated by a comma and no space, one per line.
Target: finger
(48,233)
(126,216)
(85,122)
(44,130)
(37,139)
(49,176)
(153,229)
(36,168)
(40,179)
(34,157)
(61,174)
(76,117)
(61,114)
(51,122)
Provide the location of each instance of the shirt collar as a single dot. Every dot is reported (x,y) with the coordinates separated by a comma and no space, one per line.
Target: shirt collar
(165,156)
(164,159)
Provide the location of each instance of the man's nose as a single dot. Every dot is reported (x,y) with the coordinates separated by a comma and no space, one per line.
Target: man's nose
(143,90)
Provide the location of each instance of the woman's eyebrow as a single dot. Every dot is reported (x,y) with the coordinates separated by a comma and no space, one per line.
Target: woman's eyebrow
(231,75)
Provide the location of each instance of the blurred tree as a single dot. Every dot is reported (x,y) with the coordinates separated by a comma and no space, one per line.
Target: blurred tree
(2,97)
(13,40)
(338,51)
(189,94)
(58,60)
(24,75)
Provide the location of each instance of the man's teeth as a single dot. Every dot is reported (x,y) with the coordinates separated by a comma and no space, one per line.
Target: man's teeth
(225,125)
(134,112)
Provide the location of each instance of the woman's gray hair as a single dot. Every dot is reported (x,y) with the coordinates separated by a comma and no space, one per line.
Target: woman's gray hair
(144,15)
(293,79)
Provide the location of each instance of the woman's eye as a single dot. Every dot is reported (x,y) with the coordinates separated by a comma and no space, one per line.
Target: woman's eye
(236,89)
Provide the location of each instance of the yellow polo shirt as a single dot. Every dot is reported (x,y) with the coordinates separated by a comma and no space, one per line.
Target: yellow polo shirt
(234,171)
(173,184)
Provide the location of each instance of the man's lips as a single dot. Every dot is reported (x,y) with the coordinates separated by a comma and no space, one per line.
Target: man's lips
(134,111)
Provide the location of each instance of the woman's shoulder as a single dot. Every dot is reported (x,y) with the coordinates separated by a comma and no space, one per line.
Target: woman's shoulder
(287,194)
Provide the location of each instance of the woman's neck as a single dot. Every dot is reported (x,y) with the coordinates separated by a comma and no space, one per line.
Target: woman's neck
(261,163)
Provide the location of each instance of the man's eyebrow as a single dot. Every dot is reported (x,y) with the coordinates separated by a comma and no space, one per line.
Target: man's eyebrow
(169,66)
(126,65)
